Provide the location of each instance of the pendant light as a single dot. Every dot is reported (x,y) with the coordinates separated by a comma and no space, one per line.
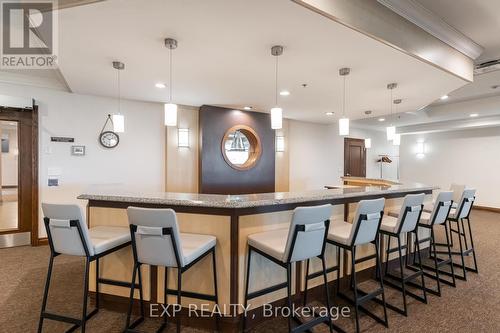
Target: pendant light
(276,111)
(170,108)
(391,129)
(118,119)
(344,121)
(397,137)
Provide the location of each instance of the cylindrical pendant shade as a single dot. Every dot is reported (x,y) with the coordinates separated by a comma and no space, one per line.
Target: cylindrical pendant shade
(368,143)
(397,139)
(118,123)
(276,118)
(170,114)
(391,130)
(344,126)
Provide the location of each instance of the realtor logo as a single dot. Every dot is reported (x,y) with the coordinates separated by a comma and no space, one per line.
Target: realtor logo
(28,35)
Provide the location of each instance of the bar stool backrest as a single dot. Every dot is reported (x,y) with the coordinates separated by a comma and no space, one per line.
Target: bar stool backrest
(66,229)
(442,207)
(307,233)
(155,236)
(458,190)
(367,221)
(465,203)
(410,212)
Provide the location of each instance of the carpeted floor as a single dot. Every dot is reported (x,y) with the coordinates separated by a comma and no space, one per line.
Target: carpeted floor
(474,306)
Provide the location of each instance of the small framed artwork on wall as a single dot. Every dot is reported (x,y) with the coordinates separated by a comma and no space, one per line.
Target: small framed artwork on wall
(78,150)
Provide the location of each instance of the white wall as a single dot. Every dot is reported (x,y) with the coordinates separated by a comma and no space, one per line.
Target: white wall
(467,157)
(317,155)
(137,162)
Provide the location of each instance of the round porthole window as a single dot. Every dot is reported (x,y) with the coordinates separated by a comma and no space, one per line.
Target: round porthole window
(241,147)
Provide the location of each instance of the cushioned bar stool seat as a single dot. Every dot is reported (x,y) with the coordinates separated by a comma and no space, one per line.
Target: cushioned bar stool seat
(303,240)
(68,234)
(156,240)
(404,225)
(456,218)
(364,230)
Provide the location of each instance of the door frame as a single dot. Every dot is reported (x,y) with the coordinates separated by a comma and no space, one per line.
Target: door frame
(26,117)
(346,145)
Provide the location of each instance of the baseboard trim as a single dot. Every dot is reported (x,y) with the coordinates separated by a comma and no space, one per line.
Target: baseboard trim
(42,241)
(486,208)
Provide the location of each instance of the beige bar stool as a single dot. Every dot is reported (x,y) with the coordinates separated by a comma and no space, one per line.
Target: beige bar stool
(457,216)
(431,221)
(305,239)
(364,230)
(68,234)
(156,240)
(404,225)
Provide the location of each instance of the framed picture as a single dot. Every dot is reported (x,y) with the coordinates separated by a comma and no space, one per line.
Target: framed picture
(78,150)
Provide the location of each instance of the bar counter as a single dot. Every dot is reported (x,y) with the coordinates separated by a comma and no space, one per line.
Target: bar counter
(231,218)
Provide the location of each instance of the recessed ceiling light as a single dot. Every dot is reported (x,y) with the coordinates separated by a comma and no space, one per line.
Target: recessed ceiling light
(160,85)
(381,119)
(284,93)
(444,97)
(329,113)
(247,108)
(473,115)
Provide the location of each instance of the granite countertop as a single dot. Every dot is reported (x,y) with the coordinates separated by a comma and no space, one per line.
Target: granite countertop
(121,194)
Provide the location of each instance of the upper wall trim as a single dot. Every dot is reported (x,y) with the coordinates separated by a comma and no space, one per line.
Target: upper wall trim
(433,24)
(382,24)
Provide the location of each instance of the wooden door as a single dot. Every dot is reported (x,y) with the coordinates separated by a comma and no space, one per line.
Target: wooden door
(27,125)
(354,157)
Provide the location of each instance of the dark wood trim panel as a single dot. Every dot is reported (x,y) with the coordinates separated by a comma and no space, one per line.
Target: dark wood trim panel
(486,208)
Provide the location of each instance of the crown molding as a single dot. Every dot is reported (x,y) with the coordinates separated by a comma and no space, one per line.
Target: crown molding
(434,25)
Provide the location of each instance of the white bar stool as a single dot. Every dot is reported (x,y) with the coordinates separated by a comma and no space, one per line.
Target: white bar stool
(305,239)
(405,224)
(430,221)
(156,240)
(457,216)
(68,234)
(364,230)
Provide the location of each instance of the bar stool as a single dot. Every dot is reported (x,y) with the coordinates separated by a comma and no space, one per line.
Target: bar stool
(305,239)
(68,234)
(458,216)
(156,240)
(364,230)
(430,221)
(405,224)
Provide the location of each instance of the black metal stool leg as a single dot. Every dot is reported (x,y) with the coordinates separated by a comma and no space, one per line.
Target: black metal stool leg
(403,284)
(464,272)
(179,296)
(216,293)
(247,282)
(337,283)
(449,255)
(353,277)
(436,265)
(131,298)
(327,293)
(85,295)
(289,294)
(472,246)
(378,260)
(97,283)
(165,295)
(46,292)
(306,282)
(417,249)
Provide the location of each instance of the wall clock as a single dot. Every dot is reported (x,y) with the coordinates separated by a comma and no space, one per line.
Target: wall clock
(108,139)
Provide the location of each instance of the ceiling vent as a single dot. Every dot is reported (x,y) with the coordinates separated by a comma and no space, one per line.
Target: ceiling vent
(487,67)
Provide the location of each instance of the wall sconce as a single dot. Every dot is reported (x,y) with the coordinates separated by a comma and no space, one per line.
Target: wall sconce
(420,149)
(280,143)
(368,143)
(183,137)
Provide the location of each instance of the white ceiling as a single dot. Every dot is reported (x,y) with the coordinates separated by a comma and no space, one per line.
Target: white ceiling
(224,57)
